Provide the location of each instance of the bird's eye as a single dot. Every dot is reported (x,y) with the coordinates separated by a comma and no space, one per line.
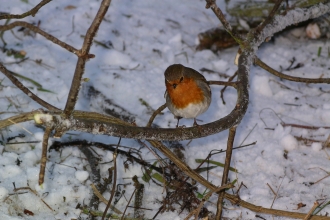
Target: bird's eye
(174,85)
(181,79)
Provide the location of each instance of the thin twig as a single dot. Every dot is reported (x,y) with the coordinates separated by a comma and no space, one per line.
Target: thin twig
(155,113)
(110,147)
(20,126)
(24,89)
(43,161)
(206,197)
(259,209)
(34,192)
(217,11)
(130,199)
(41,32)
(276,194)
(269,17)
(221,83)
(263,65)
(32,12)
(114,180)
(240,145)
(230,143)
(271,189)
(304,126)
(224,88)
(309,214)
(104,200)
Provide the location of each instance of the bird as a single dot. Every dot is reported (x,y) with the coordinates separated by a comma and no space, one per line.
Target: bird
(187,94)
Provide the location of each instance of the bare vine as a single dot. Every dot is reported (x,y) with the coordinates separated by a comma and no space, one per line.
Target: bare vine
(68,119)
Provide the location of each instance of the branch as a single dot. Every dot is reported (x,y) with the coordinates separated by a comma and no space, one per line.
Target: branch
(270,16)
(280,22)
(217,11)
(83,57)
(24,89)
(221,83)
(287,77)
(153,116)
(230,143)
(237,201)
(114,181)
(32,12)
(101,124)
(191,173)
(44,155)
(41,32)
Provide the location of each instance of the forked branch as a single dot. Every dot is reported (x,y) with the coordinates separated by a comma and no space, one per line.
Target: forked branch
(83,57)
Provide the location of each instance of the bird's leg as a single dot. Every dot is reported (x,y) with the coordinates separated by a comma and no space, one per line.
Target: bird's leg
(177,124)
(195,122)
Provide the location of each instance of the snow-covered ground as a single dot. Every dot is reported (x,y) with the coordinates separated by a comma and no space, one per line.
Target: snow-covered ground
(145,37)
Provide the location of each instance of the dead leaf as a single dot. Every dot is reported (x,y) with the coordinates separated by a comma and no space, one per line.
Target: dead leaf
(70,7)
(28,212)
(300,205)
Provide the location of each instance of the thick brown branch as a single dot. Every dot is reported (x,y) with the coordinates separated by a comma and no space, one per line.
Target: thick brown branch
(32,12)
(41,32)
(191,173)
(83,57)
(24,89)
(100,124)
(287,77)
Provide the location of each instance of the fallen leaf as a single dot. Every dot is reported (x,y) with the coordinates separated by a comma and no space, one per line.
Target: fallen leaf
(70,7)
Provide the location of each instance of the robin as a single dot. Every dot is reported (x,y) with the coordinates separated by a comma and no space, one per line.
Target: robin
(188,94)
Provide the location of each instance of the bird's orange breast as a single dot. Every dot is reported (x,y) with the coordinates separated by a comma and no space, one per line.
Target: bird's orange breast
(185,93)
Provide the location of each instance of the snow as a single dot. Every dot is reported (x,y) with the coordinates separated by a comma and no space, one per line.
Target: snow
(146,39)
(3,193)
(316,146)
(81,175)
(260,85)
(289,143)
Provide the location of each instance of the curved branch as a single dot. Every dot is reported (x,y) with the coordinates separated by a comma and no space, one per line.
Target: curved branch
(41,32)
(153,116)
(287,77)
(28,92)
(32,12)
(191,173)
(236,200)
(101,124)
